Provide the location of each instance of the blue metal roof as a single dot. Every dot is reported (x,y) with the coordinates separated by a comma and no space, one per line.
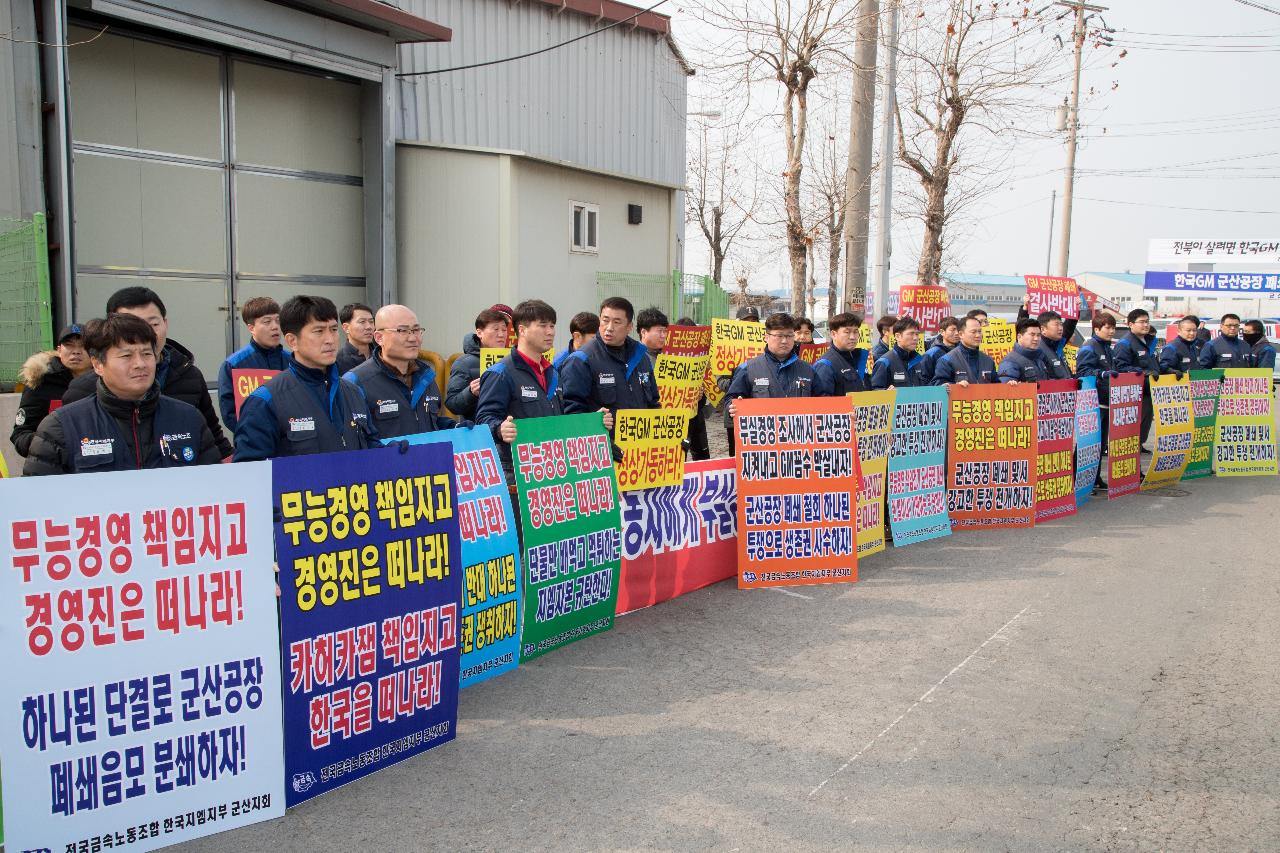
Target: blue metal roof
(984,279)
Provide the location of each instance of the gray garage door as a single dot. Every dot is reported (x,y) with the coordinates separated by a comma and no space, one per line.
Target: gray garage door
(211,178)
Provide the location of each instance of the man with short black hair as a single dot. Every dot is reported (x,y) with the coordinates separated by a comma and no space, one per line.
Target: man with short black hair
(651,324)
(1261,351)
(1026,361)
(1136,353)
(357,326)
(582,328)
(524,384)
(901,366)
(309,408)
(884,328)
(966,364)
(399,388)
(948,339)
(749,314)
(612,371)
(1179,355)
(1096,359)
(1227,349)
(127,424)
(463,393)
(840,369)
(45,377)
(261,316)
(778,371)
(979,314)
(1054,335)
(176,370)
(804,330)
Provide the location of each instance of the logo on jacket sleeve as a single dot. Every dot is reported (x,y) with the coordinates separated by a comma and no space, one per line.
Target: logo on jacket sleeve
(302,425)
(97,446)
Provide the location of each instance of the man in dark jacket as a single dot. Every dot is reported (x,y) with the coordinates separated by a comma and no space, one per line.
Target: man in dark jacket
(1179,355)
(651,325)
(357,326)
(308,408)
(261,316)
(1055,334)
(884,329)
(126,424)
(840,369)
(176,371)
(750,315)
(948,339)
(1096,359)
(1026,361)
(463,392)
(778,372)
(1261,351)
(1227,349)
(524,384)
(1136,353)
(399,388)
(966,364)
(45,377)
(902,366)
(583,327)
(612,370)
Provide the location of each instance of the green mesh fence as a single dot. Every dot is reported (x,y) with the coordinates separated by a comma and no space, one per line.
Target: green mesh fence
(679,295)
(644,291)
(26,325)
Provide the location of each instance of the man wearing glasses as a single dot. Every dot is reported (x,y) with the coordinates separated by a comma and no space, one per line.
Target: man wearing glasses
(1226,350)
(399,387)
(778,371)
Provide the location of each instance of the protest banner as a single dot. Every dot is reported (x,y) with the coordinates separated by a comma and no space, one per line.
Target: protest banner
(371,582)
(873,426)
(917,466)
(1069,353)
(1205,387)
(991,456)
(652,445)
(140,703)
(568,497)
(490,554)
(1088,439)
(1246,444)
(733,342)
(1049,293)
(810,353)
(927,303)
(797,476)
(1174,423)
(489,356)
(1250,285)
(998,339)
(1055,445)
(245,382)
(676,539)
(1124,435)
(1210,250)
(681,369)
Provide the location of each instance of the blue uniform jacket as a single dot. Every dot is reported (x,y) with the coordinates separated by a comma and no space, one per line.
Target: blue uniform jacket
(250,357)
(963,364)
(837,373)
(1178,356)
(932,356)
(886,372)
(1024,365)
(1223,351)
(330,415)
(1134,354)
(594,378)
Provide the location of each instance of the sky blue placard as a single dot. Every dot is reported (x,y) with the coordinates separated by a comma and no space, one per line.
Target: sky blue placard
(917,466)
(1088,439)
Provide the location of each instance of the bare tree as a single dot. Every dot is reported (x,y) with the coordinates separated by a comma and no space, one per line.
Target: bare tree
(790,42)
(970,74)
(827,171)
(723,195)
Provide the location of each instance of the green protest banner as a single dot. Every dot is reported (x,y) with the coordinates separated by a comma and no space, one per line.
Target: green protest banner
(1205,387)
(572,541)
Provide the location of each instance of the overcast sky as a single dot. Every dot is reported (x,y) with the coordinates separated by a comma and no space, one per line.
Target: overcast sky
(1191,132)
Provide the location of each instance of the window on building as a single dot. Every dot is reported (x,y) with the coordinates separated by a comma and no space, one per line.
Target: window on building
(585,227)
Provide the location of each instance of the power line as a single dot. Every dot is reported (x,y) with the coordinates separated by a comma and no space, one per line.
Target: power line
(1258,5)
(533,52)
(1179,207)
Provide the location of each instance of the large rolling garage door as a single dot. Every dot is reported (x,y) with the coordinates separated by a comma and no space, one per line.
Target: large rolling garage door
(211,178)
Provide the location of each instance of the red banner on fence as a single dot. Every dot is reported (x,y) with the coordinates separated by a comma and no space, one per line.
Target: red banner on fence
(1046,293)
(991,456)
(1124,431)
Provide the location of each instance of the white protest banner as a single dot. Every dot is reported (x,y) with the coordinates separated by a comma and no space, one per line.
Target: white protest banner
(1213,250)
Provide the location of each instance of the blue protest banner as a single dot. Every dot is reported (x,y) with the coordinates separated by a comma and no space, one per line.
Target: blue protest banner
(368,550)
(1252,285)
(490,632)
(1088,439)
(917,466)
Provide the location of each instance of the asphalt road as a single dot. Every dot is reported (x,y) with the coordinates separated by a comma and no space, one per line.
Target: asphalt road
(1103,682)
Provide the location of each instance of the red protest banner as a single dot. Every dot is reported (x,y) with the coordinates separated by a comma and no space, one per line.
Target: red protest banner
(811,352)
(1124,441)
(991,456)
(1047,293)
(245,382)
(927,303)
(1055,445)
(797,474)
(688,340)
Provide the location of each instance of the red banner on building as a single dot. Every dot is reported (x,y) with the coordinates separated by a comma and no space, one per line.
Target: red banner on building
(991,456)
(1055,448)
(1124,441)
(927,303)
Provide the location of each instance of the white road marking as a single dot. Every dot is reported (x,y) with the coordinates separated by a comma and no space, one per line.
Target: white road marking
(923,698)
(789,592)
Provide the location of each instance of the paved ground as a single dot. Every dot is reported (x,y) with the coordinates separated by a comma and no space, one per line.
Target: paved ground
(1104,682)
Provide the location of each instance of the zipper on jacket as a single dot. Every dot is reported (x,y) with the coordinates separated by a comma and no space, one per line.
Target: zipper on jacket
(137,446)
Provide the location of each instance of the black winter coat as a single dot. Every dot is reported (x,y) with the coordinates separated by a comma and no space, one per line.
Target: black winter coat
(45,379)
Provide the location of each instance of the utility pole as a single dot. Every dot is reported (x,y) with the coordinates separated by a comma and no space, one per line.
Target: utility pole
(889,98)
(1073,125)
(857,176)
(1048,255)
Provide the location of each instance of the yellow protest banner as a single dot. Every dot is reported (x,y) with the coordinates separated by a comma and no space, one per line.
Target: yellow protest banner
(873,428)
(650,441)
(1069,356)
(1174,422)
(680,380)
(733,342)
(489,356)
(997,338)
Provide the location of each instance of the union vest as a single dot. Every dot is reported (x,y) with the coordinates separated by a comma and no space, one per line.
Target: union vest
(1229,352)
(902,375)
(1057,367)
(1029,369)
(395,408)
(615,385)
(844,371)
(1182,356)
(962,370)
(94,442)
(767,379)
(305,427)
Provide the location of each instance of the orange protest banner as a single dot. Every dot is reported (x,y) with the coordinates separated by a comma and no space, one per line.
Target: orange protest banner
(927,303)
(687,340)
(812,352)
(797,474)
(991,456)
(245,382)
(1047,293)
